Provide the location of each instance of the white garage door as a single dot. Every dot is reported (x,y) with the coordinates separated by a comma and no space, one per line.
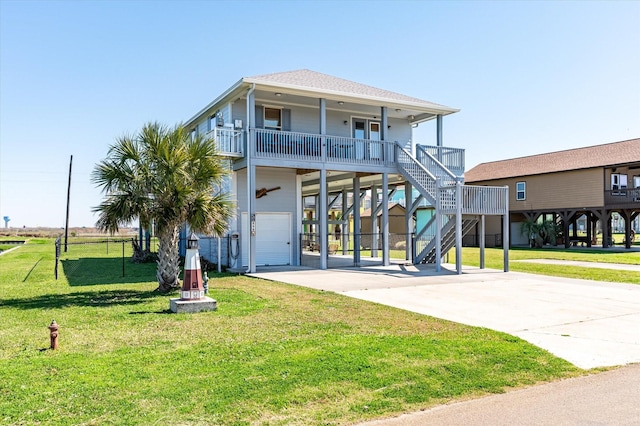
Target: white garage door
(273,239)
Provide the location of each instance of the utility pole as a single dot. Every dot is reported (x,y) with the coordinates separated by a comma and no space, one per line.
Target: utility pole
(66,226)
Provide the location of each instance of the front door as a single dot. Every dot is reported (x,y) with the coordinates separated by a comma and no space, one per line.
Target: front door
(366,130)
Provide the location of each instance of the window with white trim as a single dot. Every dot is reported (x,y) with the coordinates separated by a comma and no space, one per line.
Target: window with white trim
(618,181)
(273,118)
(521,191)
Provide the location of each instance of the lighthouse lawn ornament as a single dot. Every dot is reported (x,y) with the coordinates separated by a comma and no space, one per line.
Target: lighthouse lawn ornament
(192,295)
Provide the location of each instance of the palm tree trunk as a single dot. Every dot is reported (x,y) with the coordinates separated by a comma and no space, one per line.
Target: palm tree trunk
(168,260)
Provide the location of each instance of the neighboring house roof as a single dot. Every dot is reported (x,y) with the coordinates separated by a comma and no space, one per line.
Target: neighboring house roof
(610,154)
(314,81)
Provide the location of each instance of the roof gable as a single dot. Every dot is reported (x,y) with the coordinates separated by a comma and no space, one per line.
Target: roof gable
(610,154)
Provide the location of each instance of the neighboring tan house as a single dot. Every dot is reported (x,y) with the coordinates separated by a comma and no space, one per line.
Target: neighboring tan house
(293,135)
(397,226)
(577,186)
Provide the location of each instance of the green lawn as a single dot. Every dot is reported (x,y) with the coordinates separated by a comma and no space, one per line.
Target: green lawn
(494,260)
(272,354)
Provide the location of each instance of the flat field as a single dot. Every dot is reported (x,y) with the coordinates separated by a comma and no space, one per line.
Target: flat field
(272,353)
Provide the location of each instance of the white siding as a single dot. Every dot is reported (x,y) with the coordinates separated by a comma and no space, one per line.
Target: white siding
(283,200)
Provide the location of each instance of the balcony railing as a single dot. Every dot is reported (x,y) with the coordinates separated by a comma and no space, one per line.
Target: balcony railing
(475,200)
(308,146)
(435,166)
(228,141)
(451,158)
(622,197)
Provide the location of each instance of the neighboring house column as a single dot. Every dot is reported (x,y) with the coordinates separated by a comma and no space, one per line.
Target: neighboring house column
(385,219)
(587,216)
(408,218)
(626,215)
(322,223)
(356,221)
(374,221)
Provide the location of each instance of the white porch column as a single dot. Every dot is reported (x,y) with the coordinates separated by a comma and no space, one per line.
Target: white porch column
(322,220)
(322,120)
(323,117)
(384,123)
(385,219)
(439,136)
(251,181)
(438,227)
(345,223)
(356,221)
(482,242)
(459,227)
(408,218)
(505,230)
(251,178)
(374,221)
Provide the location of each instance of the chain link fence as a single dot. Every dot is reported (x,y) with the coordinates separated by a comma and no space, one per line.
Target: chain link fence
(342,245)
(75,254)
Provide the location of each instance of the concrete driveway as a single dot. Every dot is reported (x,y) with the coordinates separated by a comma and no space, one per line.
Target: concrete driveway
(588,323)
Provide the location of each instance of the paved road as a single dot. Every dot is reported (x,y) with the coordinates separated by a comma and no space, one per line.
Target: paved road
(610,398)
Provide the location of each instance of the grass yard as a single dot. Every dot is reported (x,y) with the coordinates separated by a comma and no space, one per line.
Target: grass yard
(272,354)
(494,260)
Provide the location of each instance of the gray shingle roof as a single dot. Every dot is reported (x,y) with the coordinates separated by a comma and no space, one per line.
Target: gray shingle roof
(305,79)
(573,159)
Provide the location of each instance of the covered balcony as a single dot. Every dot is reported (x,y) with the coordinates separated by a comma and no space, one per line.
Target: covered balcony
(622,198)
(338,150)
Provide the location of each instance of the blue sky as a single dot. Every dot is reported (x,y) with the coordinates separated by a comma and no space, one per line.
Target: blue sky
(529,77)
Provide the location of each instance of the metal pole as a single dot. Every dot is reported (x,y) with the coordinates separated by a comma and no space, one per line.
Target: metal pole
(123,258)
(66,226)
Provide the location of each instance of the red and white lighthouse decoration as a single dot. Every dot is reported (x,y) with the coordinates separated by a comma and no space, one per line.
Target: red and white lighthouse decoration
(192,288)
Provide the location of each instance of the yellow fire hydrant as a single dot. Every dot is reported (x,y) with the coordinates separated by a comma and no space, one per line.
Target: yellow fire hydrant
(53,334)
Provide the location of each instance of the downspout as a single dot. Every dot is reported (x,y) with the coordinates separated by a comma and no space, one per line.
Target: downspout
(248,153)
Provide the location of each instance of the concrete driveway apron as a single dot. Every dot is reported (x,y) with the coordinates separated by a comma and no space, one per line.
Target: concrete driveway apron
(588,323)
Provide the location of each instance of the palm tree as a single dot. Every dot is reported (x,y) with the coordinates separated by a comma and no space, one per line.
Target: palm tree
(166,177)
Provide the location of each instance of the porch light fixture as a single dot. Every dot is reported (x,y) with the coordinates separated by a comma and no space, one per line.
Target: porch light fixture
(411,117)
(345,122)
(398,110)
(278,94)
(340,103)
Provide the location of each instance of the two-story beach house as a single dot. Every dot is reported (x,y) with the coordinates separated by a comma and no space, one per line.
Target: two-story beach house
(579,189)
(300,135)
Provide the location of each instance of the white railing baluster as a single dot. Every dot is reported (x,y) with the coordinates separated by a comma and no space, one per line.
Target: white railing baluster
(228,141)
